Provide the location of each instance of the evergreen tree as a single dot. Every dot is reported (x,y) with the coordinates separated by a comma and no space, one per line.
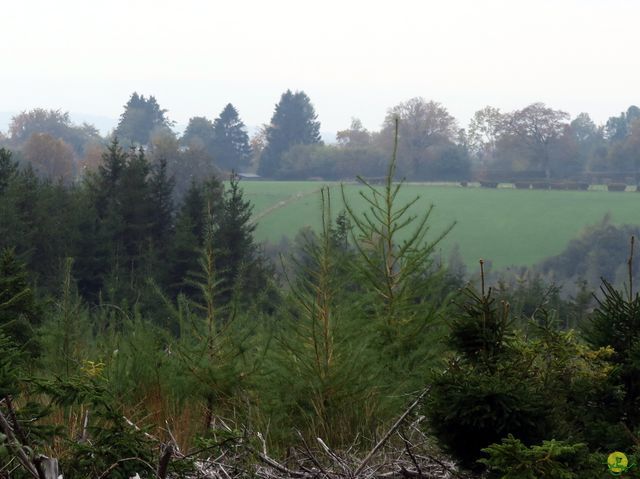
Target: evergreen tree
(19,314)
(616,323)
(320,376)
(231,147)
(201,200)
(187,240)
(140,118)
(67,330)
(294,122)
(498,382)
(131,206)
(161,191)
(98,255)
(199,133)
(237,259)
(105,184)
(8,168)
(397,275)
(162,218)
(135,209)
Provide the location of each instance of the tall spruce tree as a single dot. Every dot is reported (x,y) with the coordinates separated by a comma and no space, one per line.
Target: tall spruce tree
(233,237)
(140,118)
(201,201)
(8,168)
(19,313)
(399,273)
(135,208)
(231,149)
(294,122)
(189,232)
(320,376)
(162,218)
(126,199)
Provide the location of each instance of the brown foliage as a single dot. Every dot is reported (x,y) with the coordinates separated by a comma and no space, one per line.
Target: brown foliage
(50,157)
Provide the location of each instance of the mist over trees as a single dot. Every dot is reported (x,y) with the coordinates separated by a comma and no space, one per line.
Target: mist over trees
(534,145)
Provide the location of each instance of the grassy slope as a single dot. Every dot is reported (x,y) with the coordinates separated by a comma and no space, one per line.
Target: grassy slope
(504,226)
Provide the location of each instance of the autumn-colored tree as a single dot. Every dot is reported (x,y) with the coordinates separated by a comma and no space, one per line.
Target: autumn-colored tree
(427,136)
(354,136)
(53,122)
(51,157)
(91,159)
(535,128)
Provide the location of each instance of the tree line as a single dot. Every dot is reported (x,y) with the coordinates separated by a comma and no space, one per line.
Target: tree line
(536,142)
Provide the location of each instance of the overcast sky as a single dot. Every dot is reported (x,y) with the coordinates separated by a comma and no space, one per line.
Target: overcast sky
(353,58)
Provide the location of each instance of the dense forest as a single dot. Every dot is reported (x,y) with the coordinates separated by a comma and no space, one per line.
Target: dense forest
(536,144)
(143,330)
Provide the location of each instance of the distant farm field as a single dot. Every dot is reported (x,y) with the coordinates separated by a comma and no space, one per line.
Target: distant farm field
(505,226)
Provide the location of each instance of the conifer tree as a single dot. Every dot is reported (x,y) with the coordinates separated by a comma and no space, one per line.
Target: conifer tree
(8,168)
(67,328)
(19,313)
(397,274)
(211,348)
(161,197)
(140,118)
(237,259)
(135,206)
(200,200)
(294,122)
(616,323)
(106,183)
(322,369)
(125,196)
(162,219)
(231,149)
(187,240)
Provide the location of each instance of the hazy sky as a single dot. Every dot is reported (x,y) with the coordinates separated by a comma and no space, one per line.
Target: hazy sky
(353,58)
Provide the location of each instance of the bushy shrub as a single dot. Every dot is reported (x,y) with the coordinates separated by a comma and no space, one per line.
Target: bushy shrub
(511,459)
(499,382)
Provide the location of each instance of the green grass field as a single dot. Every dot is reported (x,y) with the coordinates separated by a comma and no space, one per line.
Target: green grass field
(505,226)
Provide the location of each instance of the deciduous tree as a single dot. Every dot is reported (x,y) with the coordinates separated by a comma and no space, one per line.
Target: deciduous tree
(485,129)
(537,127)
(199,133)
(50,157)
(354,136)
(52,122)
(422,125)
